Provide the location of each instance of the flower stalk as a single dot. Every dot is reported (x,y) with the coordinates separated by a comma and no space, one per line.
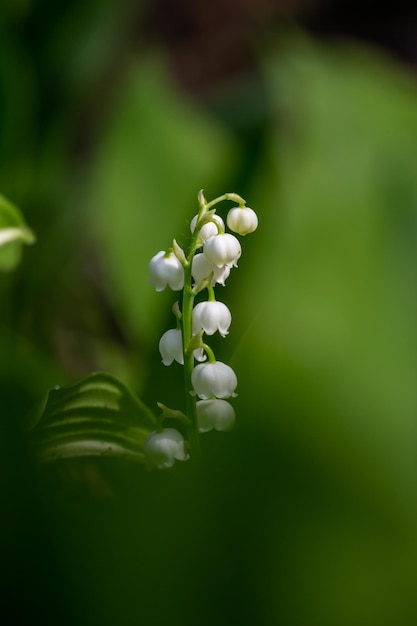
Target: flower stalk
(213,381)
(187,318)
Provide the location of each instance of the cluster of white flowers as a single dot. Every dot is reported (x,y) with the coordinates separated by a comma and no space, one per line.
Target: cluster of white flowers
(212,381)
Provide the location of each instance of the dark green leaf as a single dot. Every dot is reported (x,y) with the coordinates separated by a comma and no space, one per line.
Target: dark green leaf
(13,232)
(98,416)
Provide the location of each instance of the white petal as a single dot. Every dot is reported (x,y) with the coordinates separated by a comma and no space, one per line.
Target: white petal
(166,270)
(170,347)
(222,250)
(200,355)
(217,414)
(201,269)
(162,449)
(209,229)
(214,379)
(210,317)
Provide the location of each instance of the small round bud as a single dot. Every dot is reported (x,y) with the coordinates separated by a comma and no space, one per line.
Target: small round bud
(242,220)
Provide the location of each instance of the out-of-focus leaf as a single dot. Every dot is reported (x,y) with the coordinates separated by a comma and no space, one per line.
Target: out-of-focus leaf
(158,152)
(334,270)
(330,358)
(98,416)
(13,232)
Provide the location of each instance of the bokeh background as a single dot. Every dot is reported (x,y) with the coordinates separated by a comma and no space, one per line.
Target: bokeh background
(112,116)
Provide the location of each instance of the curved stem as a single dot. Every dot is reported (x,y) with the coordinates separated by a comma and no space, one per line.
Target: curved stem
(226,196)
(209,352)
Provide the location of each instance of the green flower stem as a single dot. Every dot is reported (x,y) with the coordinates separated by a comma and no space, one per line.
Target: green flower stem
(190,400)
(209,352)
(211,296)
(226,196)
(187,318)
(187,313)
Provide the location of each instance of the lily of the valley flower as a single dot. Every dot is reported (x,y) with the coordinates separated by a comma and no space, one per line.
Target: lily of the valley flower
(205,262)
(209,229)
(242,220)
(201,268)
(214,379)
(222,250)
(164,448)
(211,316)
(217,414)
(165,269)
(170,347)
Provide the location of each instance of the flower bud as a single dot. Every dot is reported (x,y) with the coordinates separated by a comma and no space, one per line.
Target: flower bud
(211,316)
(214,379)
(209,229)
(217,414)
(162,449)
(242,220)
(165,269)
(170,347)
(201,269)
(179,252)
(222,250)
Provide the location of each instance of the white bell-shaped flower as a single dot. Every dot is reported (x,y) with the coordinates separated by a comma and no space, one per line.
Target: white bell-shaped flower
(209,229)
(164,448)
(211,316)
(214,379)
(242,220)
(170,347)
(222,250)
(166,270)
(217,414)
(201,268)
(200,355)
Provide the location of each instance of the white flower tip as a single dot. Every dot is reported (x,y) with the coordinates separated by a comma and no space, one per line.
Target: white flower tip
(157,287)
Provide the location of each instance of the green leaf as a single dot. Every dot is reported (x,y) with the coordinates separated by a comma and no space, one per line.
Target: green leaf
(98,416)
(13,232)
(334,273)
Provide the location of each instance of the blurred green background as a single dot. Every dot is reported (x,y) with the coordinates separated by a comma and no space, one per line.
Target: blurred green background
(112,117)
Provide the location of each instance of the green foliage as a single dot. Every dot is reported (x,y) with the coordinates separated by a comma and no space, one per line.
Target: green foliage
(156,152)
(98,416)
(329,354)
(13,233)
